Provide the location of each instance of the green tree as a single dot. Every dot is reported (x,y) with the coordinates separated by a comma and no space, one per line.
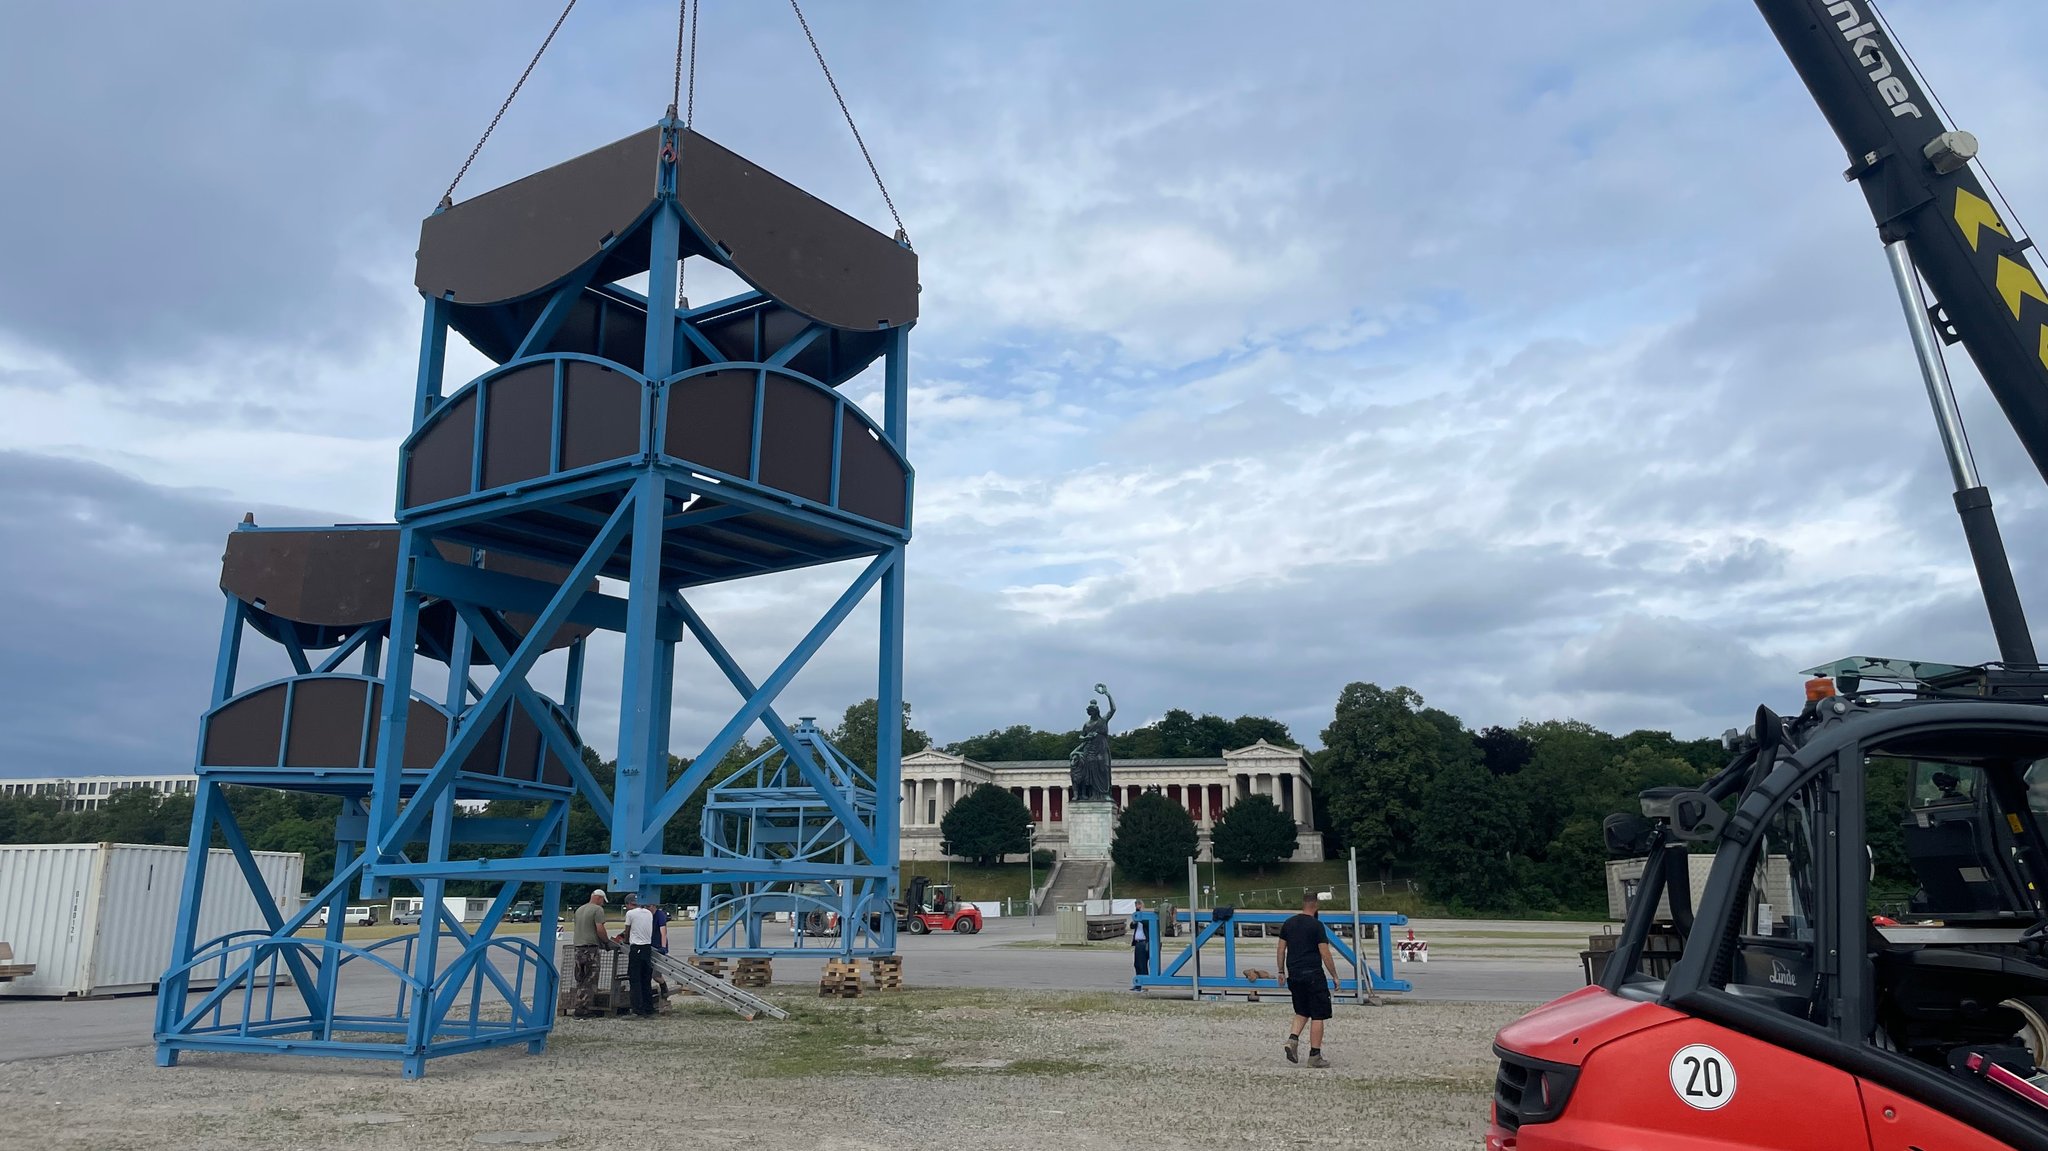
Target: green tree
(1247,730)
(859,733)
(1253,832)
(1377,753)
(1154,839)
(1467,833)
(1019,741)
(986,824)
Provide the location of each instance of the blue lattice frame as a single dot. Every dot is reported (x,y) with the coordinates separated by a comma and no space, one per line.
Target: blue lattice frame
(612,518)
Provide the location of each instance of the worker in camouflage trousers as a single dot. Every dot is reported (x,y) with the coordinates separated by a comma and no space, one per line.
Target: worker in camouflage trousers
(589,939)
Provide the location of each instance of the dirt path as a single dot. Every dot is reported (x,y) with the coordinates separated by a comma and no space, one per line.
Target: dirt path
(920,1069)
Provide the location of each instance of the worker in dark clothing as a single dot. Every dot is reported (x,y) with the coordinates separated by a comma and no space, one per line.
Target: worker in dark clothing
(1141,945)
(1303,955)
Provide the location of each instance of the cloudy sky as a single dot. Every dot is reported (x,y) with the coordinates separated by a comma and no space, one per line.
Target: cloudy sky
(1543,364)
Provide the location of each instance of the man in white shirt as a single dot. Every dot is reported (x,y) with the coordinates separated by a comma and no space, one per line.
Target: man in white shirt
(639,936)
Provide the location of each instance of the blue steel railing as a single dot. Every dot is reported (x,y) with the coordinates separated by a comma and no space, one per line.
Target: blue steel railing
(731,924)
(1181,971)
(242,1010)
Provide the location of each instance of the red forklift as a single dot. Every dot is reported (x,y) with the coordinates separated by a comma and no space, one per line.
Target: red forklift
(1792,1017)
(927,907)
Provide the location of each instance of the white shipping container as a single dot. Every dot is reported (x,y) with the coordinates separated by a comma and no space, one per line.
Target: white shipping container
(97,918)
(466,908)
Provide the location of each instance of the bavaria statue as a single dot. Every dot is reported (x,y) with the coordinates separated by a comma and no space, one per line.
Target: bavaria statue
(1090,770)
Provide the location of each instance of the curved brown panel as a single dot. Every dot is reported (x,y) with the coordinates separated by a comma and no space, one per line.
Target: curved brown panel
(437,466)
(872,482)
(335,577)
(328,722)
(796,438)
(792,245)
(519,424)
(245,731)
(600,414)
(711,421)
(518,239)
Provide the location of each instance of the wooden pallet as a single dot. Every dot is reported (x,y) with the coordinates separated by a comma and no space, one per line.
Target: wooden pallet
(712,965)
(887,972)
(841,980)
(9,969)
(753,971)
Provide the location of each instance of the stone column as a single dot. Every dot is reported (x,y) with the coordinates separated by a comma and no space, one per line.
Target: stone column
(1283,797)
(1304,803)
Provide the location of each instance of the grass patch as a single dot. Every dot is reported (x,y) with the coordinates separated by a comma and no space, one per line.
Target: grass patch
(1051,1067)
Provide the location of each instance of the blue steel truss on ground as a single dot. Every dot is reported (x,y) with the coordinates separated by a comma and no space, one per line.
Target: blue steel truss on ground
(1197,965)
(620,435)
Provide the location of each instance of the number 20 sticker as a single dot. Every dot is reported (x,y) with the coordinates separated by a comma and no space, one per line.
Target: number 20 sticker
(1702,1077)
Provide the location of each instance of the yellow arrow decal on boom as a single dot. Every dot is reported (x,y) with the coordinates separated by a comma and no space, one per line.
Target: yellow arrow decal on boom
(1974,214)
(2043,353)
(2015,281)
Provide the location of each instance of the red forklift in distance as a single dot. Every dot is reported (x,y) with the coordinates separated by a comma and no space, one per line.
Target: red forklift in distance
(1792,1017)
(927,907)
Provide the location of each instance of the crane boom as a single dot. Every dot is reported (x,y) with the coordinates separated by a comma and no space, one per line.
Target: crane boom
(1914,173)
(1936,223)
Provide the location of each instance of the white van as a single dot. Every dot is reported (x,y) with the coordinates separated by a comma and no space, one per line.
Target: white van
(350,917)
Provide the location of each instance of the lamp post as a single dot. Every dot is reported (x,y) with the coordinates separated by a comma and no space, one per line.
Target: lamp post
(1031,871)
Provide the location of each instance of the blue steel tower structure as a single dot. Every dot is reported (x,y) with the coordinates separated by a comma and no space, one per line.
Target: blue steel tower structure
(619,437)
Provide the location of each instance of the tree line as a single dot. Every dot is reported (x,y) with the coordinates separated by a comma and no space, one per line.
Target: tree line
(1495,819)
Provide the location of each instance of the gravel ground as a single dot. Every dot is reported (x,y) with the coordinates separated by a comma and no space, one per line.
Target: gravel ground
(914,1069)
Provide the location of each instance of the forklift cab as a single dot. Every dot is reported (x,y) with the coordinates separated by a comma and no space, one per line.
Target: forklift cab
(1785,982)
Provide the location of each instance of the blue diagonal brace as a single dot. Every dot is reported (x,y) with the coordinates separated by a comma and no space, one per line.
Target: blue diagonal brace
(700,768)
(799,753)
(529,699)
(510,673)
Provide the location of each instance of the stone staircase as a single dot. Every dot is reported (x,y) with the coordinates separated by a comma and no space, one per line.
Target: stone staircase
(1075,881)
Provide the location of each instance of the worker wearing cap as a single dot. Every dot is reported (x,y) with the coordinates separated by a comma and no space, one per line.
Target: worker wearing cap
(589,939)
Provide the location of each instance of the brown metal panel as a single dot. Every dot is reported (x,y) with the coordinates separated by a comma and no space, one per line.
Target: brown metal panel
(793,246)
(522,753)
(796,438)
(245,731)
(426,735)
(326,724)
(600,415)
(519,425)
(578,331)
(871,481)
(438,466)
(327,577)
(484,760)
(711,421)
(518,239)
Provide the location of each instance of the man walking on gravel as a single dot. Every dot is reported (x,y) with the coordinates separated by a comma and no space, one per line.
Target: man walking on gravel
(588,939)
(1303,955)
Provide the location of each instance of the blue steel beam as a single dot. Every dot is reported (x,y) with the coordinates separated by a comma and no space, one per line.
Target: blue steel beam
(433,359)
(643,759)
(433,576)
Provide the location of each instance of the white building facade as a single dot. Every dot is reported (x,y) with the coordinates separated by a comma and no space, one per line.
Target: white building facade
(88,792)
(934,781)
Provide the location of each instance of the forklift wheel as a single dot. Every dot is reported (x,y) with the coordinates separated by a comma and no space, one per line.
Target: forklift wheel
(964,927)
(917,927)
(2034,1012)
